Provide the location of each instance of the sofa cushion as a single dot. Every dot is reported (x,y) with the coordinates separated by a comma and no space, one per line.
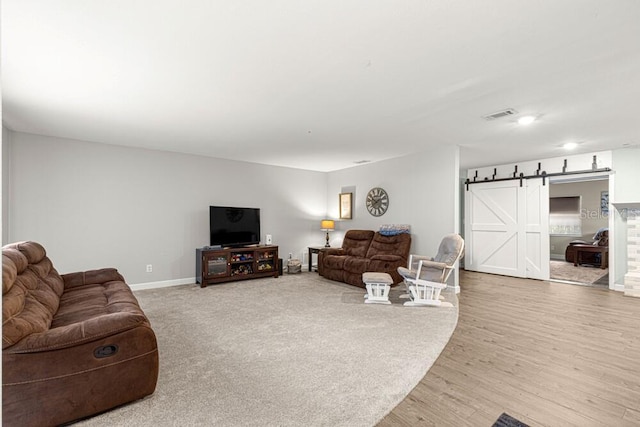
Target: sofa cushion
(334,262)
(399,244)
(31,295)
(356,265)
(356,242)
(9,272)
(87,314)
(82,303)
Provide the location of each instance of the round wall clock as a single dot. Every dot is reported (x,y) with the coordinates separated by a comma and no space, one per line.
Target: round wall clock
(377,201)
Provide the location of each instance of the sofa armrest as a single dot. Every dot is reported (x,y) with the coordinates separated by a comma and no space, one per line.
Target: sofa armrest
(91,277)
(333,251)
(80,332)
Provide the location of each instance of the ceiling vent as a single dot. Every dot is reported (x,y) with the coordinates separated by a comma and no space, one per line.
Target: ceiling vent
(500,114)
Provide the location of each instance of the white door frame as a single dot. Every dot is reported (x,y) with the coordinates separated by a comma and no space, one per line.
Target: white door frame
(610,176)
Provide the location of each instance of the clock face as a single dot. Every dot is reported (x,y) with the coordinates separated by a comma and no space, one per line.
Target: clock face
(377,201)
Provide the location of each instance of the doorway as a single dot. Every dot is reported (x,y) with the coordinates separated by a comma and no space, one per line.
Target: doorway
(578,217)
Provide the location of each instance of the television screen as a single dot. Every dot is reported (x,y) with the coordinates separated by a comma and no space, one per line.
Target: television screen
(232,226)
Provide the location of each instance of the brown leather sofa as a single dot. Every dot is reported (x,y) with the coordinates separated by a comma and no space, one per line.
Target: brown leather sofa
(73,345)
(365,251)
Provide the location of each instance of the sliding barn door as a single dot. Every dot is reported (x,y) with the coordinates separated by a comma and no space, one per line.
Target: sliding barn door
(494,229)
(506,228)
(537,229)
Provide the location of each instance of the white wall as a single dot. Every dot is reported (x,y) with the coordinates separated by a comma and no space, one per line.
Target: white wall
(626,163)
(6,150)
(95,205)
(423,192)
(626,190)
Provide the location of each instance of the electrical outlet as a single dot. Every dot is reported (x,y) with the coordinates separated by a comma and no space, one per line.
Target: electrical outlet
(268,239)
(149,268)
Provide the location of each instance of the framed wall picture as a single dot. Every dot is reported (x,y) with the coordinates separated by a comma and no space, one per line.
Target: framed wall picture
(604,202)
(345,205)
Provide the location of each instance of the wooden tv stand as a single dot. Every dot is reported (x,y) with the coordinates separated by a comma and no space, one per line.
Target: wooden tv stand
(231,264)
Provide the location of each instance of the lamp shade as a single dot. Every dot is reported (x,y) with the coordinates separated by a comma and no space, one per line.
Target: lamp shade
(327,224)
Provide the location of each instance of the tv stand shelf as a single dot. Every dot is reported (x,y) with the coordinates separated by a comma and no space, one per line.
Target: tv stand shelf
(230,264)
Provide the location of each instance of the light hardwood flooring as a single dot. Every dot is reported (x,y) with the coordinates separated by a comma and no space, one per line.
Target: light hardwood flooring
(548,354)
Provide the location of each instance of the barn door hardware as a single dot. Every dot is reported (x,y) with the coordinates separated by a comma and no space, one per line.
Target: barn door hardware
(544,175)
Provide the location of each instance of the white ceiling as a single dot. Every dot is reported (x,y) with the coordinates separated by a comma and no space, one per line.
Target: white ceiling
(321,84)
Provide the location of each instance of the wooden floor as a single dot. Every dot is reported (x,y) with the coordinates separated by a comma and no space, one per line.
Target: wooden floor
(548,354)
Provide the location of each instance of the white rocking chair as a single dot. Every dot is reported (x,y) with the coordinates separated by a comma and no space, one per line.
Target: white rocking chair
(424,292)
(426,277)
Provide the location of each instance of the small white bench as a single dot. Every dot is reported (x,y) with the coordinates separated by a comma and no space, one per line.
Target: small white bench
(378,286)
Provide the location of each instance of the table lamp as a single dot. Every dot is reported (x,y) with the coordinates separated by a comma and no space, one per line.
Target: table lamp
(327,225)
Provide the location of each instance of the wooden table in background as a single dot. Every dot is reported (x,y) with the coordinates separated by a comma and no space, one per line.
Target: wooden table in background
(314,250)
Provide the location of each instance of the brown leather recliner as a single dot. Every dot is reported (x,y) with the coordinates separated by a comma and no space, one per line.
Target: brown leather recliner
(365,251)
(73,345)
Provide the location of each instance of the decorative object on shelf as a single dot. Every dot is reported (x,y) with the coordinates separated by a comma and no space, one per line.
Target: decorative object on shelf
(327,225)
(377,201)
(345,205)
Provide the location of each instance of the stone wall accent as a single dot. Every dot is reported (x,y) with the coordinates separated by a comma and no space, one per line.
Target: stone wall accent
(632,277)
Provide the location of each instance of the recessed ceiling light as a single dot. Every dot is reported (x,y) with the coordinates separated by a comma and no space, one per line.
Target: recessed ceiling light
(526,120)
(570,145)
(360,162)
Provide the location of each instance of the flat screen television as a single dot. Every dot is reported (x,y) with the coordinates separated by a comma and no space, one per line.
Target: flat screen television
(233,226)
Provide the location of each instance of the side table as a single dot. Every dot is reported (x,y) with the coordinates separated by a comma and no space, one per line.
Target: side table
(314,250)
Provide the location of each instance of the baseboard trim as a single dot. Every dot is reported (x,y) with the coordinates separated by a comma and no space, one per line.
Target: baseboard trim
(618,287)
(163,284)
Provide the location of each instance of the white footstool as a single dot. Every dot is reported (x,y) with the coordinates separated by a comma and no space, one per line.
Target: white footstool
(378,285)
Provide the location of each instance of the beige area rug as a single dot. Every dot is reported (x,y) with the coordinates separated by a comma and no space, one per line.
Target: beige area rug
(292,351)
(562,270)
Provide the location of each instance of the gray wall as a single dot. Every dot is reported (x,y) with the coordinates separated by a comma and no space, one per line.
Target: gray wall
(95,205)
(6,151)
(423,192)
